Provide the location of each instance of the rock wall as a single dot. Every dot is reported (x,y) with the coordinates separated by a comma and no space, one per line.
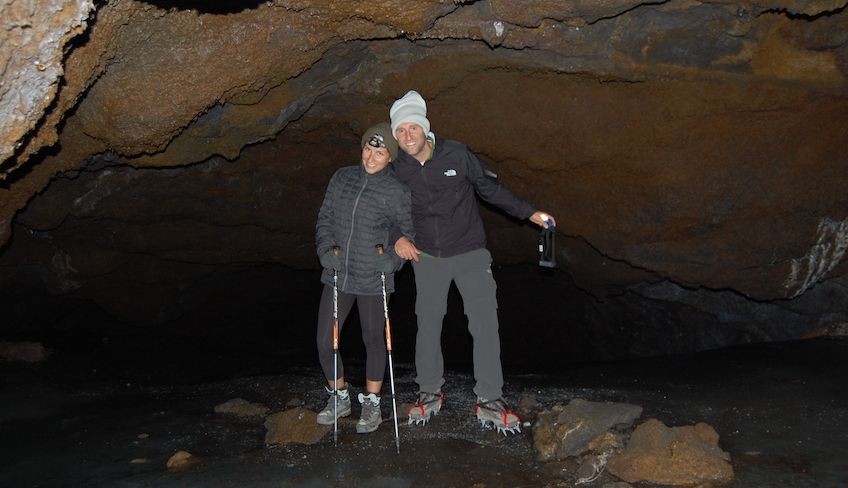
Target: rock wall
(693,152)
(35,36)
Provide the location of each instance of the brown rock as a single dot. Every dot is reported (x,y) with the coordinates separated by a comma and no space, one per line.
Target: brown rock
(590,468)
(242,408)
(29,352)
(607,442)
(295,426)
(672,456)
(575,428)
(32,47)
(181,460)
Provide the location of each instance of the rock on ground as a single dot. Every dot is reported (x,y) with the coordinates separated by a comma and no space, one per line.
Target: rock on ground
(295,426)
(672,455)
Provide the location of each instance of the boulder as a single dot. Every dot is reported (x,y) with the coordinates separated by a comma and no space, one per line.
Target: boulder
(295,426)
(664,455)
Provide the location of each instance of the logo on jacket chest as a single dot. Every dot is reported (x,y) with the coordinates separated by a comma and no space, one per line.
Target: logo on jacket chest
(450,172)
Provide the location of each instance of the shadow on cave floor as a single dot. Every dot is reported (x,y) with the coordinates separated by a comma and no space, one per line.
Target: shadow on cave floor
(781,410)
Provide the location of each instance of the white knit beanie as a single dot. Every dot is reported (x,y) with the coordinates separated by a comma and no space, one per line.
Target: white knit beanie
(409,108)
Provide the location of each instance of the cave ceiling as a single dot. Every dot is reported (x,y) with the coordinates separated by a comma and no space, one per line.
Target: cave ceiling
(702,142)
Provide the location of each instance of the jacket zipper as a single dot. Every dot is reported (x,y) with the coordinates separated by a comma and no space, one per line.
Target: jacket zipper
(432,205)
(350,236)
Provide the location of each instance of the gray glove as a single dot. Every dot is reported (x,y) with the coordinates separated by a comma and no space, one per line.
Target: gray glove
(384,263)
(329,260)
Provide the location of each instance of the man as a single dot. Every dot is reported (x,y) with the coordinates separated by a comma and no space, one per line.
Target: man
(450,246)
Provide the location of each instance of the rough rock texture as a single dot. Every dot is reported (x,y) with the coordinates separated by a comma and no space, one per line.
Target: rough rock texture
(29,352)
(581,425)
(693,152)
(672,456)
(242,408)
(295,426)
(181,460)
(32,51)
(142,243)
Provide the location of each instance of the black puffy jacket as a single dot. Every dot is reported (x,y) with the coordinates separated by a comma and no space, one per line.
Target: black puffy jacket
(358,212)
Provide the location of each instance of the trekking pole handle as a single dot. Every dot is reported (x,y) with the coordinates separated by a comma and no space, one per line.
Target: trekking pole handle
(379,248)
(337,250)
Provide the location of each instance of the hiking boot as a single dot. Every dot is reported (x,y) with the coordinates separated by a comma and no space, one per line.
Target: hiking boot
(428,404)
(325,417)
(371,415)
(497,414)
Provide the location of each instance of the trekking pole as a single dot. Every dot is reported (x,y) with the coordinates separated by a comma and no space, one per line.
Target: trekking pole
(389,350)
(337,252)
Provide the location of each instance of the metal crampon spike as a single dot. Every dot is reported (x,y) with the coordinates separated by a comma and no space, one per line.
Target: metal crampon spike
(509,430)
(488,425)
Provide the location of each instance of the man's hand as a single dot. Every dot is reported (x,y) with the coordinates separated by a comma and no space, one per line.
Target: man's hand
(406,249)
(543,219)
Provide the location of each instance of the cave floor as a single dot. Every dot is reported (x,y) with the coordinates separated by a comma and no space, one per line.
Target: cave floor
(781,410)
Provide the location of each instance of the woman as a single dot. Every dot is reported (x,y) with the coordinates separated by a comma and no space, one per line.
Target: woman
(363,204)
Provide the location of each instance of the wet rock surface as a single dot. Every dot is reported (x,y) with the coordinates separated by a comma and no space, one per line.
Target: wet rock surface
(779,410)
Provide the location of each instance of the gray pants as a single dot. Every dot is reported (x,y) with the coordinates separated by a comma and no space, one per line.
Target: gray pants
(472,273)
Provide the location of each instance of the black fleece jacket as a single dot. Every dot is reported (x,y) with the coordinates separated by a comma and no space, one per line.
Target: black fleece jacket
(444,209)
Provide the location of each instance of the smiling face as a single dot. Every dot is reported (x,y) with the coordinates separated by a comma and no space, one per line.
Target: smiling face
(374,159)
(412,140)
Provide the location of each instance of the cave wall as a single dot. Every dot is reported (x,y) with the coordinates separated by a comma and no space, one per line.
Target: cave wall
(693,152)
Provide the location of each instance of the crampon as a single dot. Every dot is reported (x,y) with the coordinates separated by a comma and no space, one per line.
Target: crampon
(427,405)
(496,414)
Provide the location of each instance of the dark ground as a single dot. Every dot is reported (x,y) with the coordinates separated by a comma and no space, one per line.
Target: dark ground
(781,410)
